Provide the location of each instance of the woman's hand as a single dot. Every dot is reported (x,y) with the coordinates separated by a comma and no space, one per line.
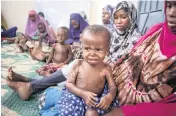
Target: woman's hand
(89,98)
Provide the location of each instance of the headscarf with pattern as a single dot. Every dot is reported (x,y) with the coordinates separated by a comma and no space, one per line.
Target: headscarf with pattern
(122,42)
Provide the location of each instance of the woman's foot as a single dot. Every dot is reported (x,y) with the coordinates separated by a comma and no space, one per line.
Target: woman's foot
(15,76)
(23,89)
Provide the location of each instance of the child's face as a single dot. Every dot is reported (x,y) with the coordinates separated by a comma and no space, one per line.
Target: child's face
(75,24)
(61,36)
(105,16)
(171,15)
(41,28)
(95,47)
(121,20)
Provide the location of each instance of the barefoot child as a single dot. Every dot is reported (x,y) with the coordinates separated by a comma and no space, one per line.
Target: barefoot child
(61,54)
(39,36)
(90,88)
(35,45)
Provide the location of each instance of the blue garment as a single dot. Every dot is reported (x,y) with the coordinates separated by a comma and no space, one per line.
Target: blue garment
(72,105)
(9,33)
(74,33)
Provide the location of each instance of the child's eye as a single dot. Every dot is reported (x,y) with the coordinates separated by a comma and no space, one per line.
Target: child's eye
(86,48)
(98,49)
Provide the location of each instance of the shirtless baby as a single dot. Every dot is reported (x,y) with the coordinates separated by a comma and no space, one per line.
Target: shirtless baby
(90,89)
(60,55)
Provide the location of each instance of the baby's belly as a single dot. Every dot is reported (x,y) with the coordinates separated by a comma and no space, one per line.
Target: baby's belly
(95,88)
(59,58)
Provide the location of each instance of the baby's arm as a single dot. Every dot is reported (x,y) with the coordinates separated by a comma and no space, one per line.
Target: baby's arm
(88,97)
(107,100)
(70,55)
(51,55)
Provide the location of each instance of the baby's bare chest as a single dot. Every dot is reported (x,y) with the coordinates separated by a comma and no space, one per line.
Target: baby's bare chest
(61,49)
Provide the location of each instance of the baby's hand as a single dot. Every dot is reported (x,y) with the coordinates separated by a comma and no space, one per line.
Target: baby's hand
(105,102)
(89,98)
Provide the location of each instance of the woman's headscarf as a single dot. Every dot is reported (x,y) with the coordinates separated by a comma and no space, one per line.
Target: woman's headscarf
(109,9)
(32,26)
(74,33)
(167,39)
(122,42)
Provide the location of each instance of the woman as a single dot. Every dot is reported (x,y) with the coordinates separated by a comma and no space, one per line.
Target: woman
(147,74)
(107,16)
(77,25)
(125,33)
(32,23)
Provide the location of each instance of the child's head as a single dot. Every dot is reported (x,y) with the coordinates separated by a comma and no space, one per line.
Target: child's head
(95,44)
(41,27)
(41,14)
(62,34)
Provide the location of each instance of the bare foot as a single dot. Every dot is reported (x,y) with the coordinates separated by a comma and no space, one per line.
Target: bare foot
(44,73)
(15,76)
(23,89)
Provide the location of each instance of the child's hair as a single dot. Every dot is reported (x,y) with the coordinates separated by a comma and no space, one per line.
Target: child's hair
(97,29)
(41,14)
(66,30)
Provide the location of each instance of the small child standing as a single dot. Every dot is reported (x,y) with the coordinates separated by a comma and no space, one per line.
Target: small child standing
(60,55)
(90,89)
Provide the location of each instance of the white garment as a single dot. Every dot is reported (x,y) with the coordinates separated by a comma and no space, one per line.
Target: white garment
(66,69)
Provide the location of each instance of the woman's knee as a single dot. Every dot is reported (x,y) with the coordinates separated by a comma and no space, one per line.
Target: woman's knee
(91,112)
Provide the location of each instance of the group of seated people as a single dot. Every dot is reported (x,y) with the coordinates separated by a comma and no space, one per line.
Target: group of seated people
(119,73)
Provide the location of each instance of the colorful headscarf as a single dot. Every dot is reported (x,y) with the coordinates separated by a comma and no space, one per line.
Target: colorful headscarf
(122,42)
(75,33)
(167,39)
(32,26)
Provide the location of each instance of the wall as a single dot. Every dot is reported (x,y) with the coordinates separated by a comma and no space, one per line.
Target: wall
(15,13)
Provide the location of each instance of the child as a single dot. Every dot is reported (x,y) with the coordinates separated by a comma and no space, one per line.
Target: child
(39,36)
(61,54)
(90,88)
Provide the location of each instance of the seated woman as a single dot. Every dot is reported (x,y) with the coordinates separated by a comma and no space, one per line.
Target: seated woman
(147,74)
(125,33)
(107,16)
(31,28)
(77,25)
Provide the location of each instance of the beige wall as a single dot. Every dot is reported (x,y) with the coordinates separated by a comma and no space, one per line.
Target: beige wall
(16,12)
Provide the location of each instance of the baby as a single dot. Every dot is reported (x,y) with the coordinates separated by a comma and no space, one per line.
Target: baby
(90,89)
(60,55)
